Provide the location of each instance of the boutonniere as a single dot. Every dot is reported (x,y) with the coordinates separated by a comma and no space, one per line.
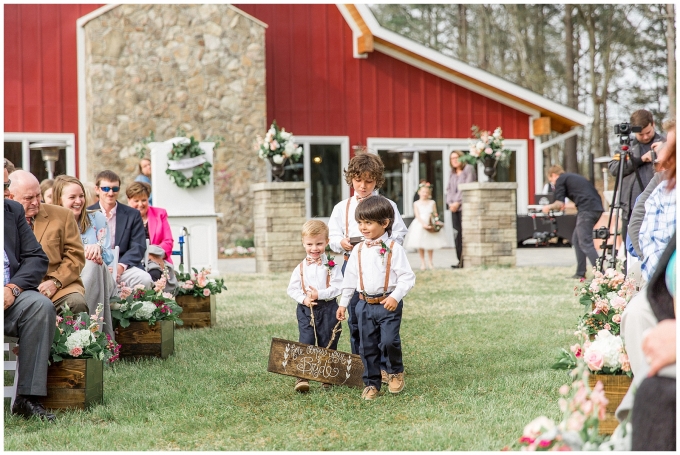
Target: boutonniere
(384,249)
(330,263)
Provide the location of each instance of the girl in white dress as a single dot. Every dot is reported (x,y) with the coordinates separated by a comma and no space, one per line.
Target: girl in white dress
(421,234)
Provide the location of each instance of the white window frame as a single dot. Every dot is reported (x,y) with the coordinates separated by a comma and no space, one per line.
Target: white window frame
(27,138)
(306,141)
(448,145)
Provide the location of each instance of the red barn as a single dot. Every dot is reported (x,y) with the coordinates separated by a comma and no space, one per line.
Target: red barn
(334,77)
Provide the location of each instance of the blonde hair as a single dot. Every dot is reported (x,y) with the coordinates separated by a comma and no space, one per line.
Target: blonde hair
(62,182)
(556,169)
(91,196)
(313,228)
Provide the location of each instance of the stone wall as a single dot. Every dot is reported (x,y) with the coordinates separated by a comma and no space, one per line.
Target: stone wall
(158,68)
(279,215)
(489,224)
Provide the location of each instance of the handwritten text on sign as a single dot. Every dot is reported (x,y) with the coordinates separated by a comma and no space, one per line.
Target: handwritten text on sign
(315,363)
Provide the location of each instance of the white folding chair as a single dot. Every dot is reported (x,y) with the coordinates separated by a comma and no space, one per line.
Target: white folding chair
(114,263)
(11,364)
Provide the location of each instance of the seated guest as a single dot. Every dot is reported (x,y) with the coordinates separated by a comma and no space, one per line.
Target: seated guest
(94,233)
(8,165)
(29,315)
(125,228)
(57,232)
(46,191)
(145,175)
(156,226)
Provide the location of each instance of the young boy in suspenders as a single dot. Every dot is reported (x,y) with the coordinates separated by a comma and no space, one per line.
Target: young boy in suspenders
(379,270)
(315,285)
(364,174)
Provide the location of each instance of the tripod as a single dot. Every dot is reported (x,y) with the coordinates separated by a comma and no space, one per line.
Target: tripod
(615,207)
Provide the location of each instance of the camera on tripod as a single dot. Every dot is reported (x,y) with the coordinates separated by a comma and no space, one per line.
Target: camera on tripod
(625,129)
(601,233)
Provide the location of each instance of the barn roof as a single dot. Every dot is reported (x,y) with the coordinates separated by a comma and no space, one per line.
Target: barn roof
(370,36)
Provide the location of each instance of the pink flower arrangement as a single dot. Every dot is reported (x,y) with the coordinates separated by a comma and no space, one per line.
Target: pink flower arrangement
(198,282)
(206,292)
(76,352)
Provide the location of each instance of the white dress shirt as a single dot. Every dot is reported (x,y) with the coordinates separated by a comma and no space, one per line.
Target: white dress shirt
(316,277)
(373,268)
(337,223)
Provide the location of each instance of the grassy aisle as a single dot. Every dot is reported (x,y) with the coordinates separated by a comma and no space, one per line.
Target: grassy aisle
(477,343)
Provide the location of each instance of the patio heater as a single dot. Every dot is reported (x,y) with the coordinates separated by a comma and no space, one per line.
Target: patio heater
(50,154)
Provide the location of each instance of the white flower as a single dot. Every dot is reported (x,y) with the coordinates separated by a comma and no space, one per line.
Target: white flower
(537,426)
(480,146)
(497,132)
(271,131)
(610,346)
(115,306)
(80,339)
(298,151)
(278,159)
(145,311)
(285,136)
(289,148)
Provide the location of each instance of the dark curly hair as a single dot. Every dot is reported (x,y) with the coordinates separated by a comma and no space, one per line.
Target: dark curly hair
(363,164)
(377,209)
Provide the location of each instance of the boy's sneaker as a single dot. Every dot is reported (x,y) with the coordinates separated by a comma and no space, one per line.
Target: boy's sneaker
(370,393)
(385,377)
(396,382)
(301,385)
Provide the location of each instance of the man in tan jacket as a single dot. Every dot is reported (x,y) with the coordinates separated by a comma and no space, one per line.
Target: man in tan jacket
(57,232)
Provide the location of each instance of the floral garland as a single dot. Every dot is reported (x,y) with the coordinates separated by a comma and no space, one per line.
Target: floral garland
(200,174)
(487,145)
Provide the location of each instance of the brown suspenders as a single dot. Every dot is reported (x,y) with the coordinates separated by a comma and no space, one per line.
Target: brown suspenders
(363,296)
(302,278)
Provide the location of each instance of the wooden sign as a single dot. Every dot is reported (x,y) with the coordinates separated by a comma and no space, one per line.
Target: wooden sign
(74,384)
(315,364)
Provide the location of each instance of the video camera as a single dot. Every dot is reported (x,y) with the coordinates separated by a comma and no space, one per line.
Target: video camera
(625,129)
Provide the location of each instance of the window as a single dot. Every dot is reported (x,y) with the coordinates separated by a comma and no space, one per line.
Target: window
(393,188)
(17,150)
(322,167)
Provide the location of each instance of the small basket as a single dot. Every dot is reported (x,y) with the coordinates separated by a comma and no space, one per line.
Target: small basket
(615,387)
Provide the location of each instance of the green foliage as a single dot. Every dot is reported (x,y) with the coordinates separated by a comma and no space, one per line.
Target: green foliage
(141,149)
(245,243)
(95,346)
(141,304)
(197,283)
(200,175)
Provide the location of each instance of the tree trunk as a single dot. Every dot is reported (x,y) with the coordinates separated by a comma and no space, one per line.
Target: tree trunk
(670,51)
(570,161)
(462,33)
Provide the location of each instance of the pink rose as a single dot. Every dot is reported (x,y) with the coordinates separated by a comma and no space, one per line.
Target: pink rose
(382,250)
(331,264)
(625,362)
(188,285)
(76,352)
(594,360)
(576,349)
(616,318)
(125,292)
(202,281)
(206,292)
(167,295)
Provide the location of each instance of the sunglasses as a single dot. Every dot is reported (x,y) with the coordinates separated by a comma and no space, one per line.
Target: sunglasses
(7,184)
(106,189)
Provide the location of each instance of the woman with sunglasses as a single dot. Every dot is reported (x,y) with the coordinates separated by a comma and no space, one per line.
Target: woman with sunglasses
(99,285)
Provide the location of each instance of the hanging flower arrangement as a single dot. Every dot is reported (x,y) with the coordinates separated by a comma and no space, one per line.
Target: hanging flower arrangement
(278,145)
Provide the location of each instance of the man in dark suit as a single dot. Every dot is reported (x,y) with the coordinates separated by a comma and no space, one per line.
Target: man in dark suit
(29,315)
(126,228)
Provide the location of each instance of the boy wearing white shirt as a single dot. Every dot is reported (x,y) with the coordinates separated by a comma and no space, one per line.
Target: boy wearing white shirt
(379,270)
(364,174)
(315,285)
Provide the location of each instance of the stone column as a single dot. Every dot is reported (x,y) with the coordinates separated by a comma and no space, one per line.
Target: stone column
(489,223)
(278,213)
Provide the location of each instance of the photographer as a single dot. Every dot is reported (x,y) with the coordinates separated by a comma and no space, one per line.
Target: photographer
(589,205)
(638,170)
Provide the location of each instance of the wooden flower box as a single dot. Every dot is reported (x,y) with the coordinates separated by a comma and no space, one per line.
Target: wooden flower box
(140,339)
(197,312)
(615,387)
(74,384)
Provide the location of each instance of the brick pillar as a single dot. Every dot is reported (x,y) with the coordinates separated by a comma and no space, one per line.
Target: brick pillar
(489,223)
(278,214)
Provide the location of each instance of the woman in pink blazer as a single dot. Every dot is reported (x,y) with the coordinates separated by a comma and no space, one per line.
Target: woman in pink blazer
(155,219)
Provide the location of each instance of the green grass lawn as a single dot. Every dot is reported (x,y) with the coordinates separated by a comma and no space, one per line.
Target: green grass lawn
(478,345)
